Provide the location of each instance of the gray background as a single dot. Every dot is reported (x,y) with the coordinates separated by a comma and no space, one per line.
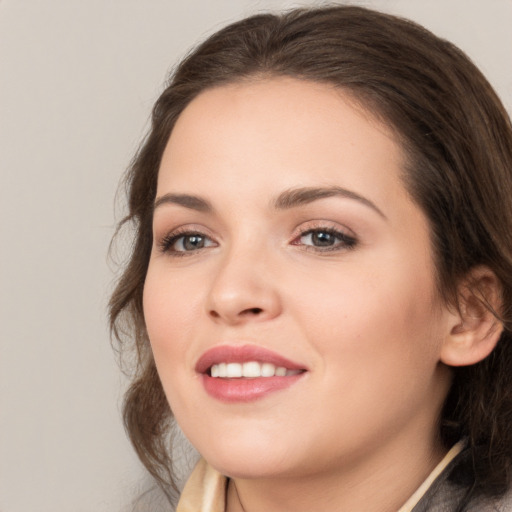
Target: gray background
(77,81)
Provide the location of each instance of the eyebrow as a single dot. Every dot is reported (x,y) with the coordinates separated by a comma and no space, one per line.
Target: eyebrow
(185,200)
(305,195)
(288,199)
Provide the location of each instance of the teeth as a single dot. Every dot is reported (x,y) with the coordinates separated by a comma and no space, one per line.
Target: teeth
(233,370)
(268,370)
(280,372)
(251,369)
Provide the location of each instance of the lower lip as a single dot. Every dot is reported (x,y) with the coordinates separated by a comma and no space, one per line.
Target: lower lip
(246,389)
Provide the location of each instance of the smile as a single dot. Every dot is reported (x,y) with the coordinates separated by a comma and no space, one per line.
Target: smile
(246,373)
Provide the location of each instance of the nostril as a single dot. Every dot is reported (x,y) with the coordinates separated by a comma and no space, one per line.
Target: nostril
(252,311)
(244,313)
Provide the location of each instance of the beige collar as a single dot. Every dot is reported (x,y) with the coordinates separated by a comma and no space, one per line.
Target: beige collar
(205,490)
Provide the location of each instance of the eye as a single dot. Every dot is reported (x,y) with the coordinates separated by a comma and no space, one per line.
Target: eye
(325,239)
(185,242)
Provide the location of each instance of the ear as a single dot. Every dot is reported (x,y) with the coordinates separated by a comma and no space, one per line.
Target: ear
(475,328)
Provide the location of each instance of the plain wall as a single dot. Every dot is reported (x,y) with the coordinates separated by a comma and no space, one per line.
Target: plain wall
(77,82)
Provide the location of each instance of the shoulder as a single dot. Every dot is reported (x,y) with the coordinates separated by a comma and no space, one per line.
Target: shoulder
(453,498)
(490,504)
(501,504)
(451,492)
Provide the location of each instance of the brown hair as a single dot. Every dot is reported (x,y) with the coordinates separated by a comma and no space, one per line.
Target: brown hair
(458,141)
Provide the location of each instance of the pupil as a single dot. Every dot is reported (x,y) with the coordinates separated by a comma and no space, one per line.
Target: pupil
(193,242)
(322,238)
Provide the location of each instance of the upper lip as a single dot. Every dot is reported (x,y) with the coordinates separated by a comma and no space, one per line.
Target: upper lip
(243,354)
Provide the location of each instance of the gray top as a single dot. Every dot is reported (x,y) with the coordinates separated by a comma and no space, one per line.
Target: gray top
(444,495)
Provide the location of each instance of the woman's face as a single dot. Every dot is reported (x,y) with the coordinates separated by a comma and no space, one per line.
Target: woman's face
(284,239)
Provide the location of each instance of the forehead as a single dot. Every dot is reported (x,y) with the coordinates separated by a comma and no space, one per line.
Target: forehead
(289,131)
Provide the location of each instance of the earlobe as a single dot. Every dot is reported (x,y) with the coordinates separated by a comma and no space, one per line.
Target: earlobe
(476,328)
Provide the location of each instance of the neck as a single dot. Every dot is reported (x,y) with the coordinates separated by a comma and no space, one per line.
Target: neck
(381,484)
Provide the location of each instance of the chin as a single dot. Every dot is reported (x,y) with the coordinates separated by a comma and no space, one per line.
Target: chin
(254,458)
(258,467)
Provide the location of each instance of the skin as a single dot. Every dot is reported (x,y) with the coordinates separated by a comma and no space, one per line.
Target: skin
(358,431)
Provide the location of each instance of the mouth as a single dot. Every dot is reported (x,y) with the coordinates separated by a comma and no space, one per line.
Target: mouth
(246,373)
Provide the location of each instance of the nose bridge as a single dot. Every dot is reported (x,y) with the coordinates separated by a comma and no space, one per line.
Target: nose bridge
(243,287)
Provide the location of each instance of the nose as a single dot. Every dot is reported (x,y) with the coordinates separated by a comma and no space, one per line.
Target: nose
(244,289)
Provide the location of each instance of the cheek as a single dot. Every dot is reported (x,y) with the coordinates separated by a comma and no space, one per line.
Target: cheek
(372,319)
(169,311)
(378,341)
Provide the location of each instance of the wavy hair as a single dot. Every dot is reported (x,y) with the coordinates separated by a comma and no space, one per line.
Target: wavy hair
(458,141)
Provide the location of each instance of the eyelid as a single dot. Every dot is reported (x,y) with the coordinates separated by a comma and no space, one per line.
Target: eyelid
(347,238)
(314,225)
(165,241)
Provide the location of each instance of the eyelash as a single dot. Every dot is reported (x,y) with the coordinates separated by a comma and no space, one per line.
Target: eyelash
(344,242)
(168,241)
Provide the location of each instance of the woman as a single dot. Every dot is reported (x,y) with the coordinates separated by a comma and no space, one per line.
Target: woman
(320,289)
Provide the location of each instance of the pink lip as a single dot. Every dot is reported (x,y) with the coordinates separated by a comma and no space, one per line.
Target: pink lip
(244,389)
